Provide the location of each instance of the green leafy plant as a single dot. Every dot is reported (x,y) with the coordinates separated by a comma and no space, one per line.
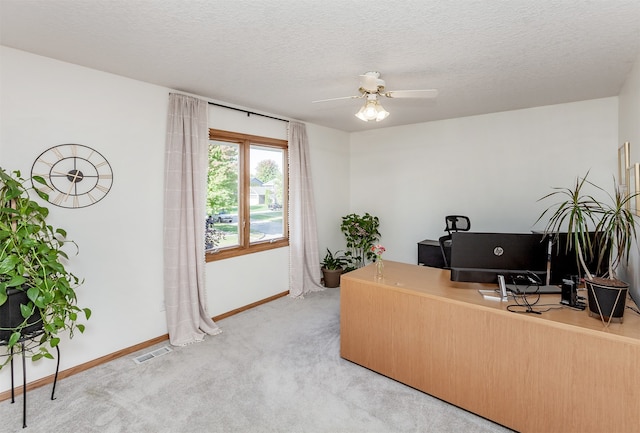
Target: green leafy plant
(613,223)
(361,231)
(32,260)
(334,261)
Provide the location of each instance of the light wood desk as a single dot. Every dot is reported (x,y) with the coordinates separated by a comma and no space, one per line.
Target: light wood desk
(560,371)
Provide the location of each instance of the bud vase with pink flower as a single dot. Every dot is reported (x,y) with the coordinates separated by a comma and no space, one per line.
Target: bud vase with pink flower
(378,250)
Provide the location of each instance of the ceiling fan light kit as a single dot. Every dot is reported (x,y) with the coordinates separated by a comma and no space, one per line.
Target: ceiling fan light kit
(372,86)
(372,110)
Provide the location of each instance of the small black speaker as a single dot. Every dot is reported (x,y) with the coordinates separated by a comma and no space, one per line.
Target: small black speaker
(569,292)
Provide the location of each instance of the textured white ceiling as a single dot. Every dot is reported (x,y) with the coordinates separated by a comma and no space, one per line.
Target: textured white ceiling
(277,56)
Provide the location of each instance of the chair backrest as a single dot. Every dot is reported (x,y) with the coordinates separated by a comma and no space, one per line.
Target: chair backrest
(457,223)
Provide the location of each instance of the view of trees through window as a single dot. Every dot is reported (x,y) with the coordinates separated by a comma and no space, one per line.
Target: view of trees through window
(245,192)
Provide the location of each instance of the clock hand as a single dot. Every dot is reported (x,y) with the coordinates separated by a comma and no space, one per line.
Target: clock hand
(75,176)
(69,192)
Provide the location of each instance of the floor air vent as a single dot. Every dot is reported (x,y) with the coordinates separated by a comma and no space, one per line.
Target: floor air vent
(150,355)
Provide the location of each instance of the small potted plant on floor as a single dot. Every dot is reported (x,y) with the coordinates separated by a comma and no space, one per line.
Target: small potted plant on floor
(332,267)
(37,292)
(614,231)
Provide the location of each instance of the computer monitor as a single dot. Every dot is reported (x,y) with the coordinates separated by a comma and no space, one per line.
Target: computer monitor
(481,257)
(564,263)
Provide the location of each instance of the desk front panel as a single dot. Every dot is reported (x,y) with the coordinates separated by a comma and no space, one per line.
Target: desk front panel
(528,372)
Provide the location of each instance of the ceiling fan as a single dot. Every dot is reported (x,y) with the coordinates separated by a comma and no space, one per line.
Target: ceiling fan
(371,87)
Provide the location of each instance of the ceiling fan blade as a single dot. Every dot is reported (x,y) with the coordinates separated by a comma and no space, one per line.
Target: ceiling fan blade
(338,99)
(427,93)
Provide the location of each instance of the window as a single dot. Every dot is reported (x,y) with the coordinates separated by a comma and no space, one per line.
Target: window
(246,194)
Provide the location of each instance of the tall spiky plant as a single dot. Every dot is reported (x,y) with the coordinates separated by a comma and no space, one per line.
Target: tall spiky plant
(616,230)
(577,213)
(614,225)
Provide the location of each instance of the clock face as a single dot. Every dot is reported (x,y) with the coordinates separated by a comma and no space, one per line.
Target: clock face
(76,175)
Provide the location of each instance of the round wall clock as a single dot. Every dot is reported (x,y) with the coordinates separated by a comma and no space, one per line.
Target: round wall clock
(76,175)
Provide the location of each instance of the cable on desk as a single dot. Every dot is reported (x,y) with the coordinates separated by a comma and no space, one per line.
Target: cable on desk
(512,308)
(521,298)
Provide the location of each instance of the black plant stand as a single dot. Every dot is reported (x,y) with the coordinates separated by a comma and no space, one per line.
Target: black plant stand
(29,337)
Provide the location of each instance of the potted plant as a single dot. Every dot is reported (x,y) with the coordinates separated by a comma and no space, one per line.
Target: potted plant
(37,292)
(332,267)
(614,231)
(361,232)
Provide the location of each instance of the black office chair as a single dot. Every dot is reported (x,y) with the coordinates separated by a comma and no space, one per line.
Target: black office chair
(457,223)
(454,223)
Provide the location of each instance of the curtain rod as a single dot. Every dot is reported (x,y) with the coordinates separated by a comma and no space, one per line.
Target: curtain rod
(249,113)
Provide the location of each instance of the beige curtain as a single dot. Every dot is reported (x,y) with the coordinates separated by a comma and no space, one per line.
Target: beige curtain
(304,259)
(184,221)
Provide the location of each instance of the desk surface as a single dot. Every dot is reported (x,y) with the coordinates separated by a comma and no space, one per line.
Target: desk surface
(427,281)
(558,371)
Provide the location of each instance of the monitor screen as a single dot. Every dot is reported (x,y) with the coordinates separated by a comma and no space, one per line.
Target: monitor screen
(564,263)
(481,257)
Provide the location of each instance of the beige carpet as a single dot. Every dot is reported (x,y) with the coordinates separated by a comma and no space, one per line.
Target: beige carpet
(275,368)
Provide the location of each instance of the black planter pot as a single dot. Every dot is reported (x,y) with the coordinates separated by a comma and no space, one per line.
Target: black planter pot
(11,317)
(606,301)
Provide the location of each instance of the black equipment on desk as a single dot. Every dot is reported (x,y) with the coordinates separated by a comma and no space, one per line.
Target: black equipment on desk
(564,262)
(570,294)
(481,257)
(530,283)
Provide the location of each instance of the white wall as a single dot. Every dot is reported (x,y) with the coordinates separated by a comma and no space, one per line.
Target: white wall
(330,173)
(45,102)
(492,168)
(629,130)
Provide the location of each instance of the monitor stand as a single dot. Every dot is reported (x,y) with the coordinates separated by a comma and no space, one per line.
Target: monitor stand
(501,291)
